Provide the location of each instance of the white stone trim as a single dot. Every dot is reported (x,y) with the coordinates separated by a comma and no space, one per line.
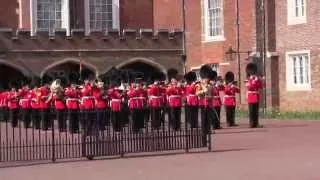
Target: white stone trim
(65,15)
(292,19)
(208,38)
(20,13)
(115,14)
(289,78)
(33,17)
(87,16)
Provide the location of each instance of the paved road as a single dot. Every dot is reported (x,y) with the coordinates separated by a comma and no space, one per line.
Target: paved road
(284,150)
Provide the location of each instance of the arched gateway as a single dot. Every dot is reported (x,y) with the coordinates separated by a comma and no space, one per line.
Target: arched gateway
(10,72)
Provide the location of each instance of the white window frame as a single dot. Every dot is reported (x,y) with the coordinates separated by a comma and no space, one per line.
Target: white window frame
(207,36)
(289,72)
(291,9)
(65,16)
(115,15)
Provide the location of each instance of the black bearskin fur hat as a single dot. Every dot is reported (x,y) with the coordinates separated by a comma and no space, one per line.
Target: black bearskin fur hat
(172,73)
(205,72)
(190,77)
(213,75)
(229,77)
(251,69)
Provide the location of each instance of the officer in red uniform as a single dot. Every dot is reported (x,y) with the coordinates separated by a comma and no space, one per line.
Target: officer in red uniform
(254,84)
(174,96)
(101,102)
(191,107)
(229,99)
(35,106)
(87,107)
(13,105)
(217,87)
(115,106)
(204,92)
(72,103)
(44,107)
(155,99)
(25,105)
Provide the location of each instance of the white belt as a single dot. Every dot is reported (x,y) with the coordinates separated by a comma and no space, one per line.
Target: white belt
(256,92)
(174,96)
(115,100)
(87,97)
(226,96)
(72,99)
(155,97)
(22,100)
(216,97)
(191,95)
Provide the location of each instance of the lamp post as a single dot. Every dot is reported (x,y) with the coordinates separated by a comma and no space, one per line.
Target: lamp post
(184,43)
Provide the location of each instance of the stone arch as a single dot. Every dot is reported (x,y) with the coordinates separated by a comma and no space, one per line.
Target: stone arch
(23,71)
(70,60)
(145,61)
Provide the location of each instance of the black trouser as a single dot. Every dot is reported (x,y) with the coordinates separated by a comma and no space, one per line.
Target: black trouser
(230,115)
(192,116)
(163,112)
(137,119)
(254,115)
(73,118)
(116,119)
(62,124)
(101,120)
(87,121)
(45,119)
(35,116)
(4,114)
(26,117)
(175,117)
(206,119)
(13,115)
(216,118)
(155,117)
(147,113)
(125,112)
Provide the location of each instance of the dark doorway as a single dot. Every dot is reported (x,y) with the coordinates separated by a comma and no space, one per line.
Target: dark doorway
(69,72)
(8,75)
(147,71)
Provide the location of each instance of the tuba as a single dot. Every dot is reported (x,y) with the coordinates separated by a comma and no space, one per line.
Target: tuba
(56,89)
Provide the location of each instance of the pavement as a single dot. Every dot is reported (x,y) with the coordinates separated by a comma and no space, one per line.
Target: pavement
(283,150)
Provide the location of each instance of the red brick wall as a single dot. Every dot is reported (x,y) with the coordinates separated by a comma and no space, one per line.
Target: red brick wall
(295,38)
(135,14)
(9,16)
(167,14)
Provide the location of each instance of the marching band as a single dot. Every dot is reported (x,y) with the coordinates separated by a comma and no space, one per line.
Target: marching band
(92,105)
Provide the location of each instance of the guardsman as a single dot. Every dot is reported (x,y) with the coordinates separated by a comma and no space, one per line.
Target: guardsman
(174,95)
(142,97)
(25,105)
(191,100)
(57,100)
(13,105)
(254,84)
(72,103)
(204,93)
(101,103)
(216,100)
(87,107)
(115,106)
(155,101)
(229,98)
(44,107)
(35,106)
(134,105)
(1,106)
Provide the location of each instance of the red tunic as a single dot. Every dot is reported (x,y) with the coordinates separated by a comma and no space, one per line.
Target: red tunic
(174,95)
(87,100)
(155,96)
(34,98)
(13,102)
(58,103)
(190,95)
(115,97)
(229,98)
(253,84)
(25,98)
(72,98)
(216,100)
(43,104)
(100,100)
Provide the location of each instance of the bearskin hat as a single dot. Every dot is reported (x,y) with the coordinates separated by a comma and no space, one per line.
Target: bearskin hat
(205,71)
(213,75)
(172,73)
(251,69)
(229,77)
(190,77)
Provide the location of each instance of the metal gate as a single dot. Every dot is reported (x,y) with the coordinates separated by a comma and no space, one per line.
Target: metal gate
(21,143)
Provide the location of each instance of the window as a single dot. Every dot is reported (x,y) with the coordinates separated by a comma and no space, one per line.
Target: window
(298,70)
(296,12)
(101,15)
(213,13)
(48,15)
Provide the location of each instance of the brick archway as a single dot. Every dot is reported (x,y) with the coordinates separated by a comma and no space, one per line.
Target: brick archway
(71,61)
(143,60)
(22,70)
